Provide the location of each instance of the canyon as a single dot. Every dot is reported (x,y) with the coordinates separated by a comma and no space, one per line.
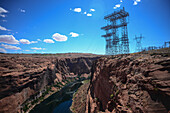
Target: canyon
(129,83)
(135,83)
(25,77)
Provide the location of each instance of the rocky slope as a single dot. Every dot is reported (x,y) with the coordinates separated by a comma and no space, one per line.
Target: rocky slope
(25,77)
(130,84)
(79,98)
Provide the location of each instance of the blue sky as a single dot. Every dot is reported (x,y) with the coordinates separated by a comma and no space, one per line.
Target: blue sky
(61,26)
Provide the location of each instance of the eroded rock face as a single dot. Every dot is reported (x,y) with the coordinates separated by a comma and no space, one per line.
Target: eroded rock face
(21,77)
(130,83)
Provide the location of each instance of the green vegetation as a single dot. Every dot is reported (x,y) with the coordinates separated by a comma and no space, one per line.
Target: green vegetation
(117,92)
(128,106)
(86,81)
(59,85)
(25,108)
(155,89)
(96,99)
(41,98)
(111,96)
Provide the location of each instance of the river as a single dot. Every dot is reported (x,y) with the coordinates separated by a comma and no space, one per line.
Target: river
(60,101)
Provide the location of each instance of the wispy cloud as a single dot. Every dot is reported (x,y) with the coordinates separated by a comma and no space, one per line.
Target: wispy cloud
(77,10)
(74,34)
(2,50)
(121,0)
(48,41)
(10,47)
(3,28)
(26,50)
(4,20)
(2,11)
(85,12)
(59,37)
(25,41)
(22,10)
(88,14)
(36,48)
(9,39)
(38,39)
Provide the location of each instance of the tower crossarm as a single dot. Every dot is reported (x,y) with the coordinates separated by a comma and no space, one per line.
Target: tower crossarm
(108,35)
(114,26)
(107,27)
(117,15)
(121,15)
(111,15)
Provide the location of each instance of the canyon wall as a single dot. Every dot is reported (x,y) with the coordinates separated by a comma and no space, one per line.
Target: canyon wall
(130,84)
(23,77)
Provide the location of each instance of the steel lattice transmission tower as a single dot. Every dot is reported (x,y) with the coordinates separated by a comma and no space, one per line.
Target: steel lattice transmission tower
(114,43)
(138,43)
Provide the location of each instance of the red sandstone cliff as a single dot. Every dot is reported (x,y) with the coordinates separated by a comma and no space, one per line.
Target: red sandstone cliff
(130,84)
(25,77)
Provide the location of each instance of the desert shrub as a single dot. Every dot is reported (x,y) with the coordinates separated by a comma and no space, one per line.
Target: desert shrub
(111,96)
(25,108)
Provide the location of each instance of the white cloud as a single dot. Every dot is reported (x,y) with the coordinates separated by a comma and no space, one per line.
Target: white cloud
(9,39)
(38,39)
(92,10)
(138,0)
(85,13)
(135,3)
(22,10)
(74,34)
(89,14)
(2,15)
(10,47)
(26,50)
(2,50)
(114,7)
(77,9)
(59,37)
(25,41)
(2,10)
(118,5)
(36,48)
(34,42)
(48,41)
(121,1)
(3,28)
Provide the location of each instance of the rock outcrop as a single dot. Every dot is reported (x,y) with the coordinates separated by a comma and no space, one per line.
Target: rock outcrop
(79,98)
(23,77)
(130,84)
